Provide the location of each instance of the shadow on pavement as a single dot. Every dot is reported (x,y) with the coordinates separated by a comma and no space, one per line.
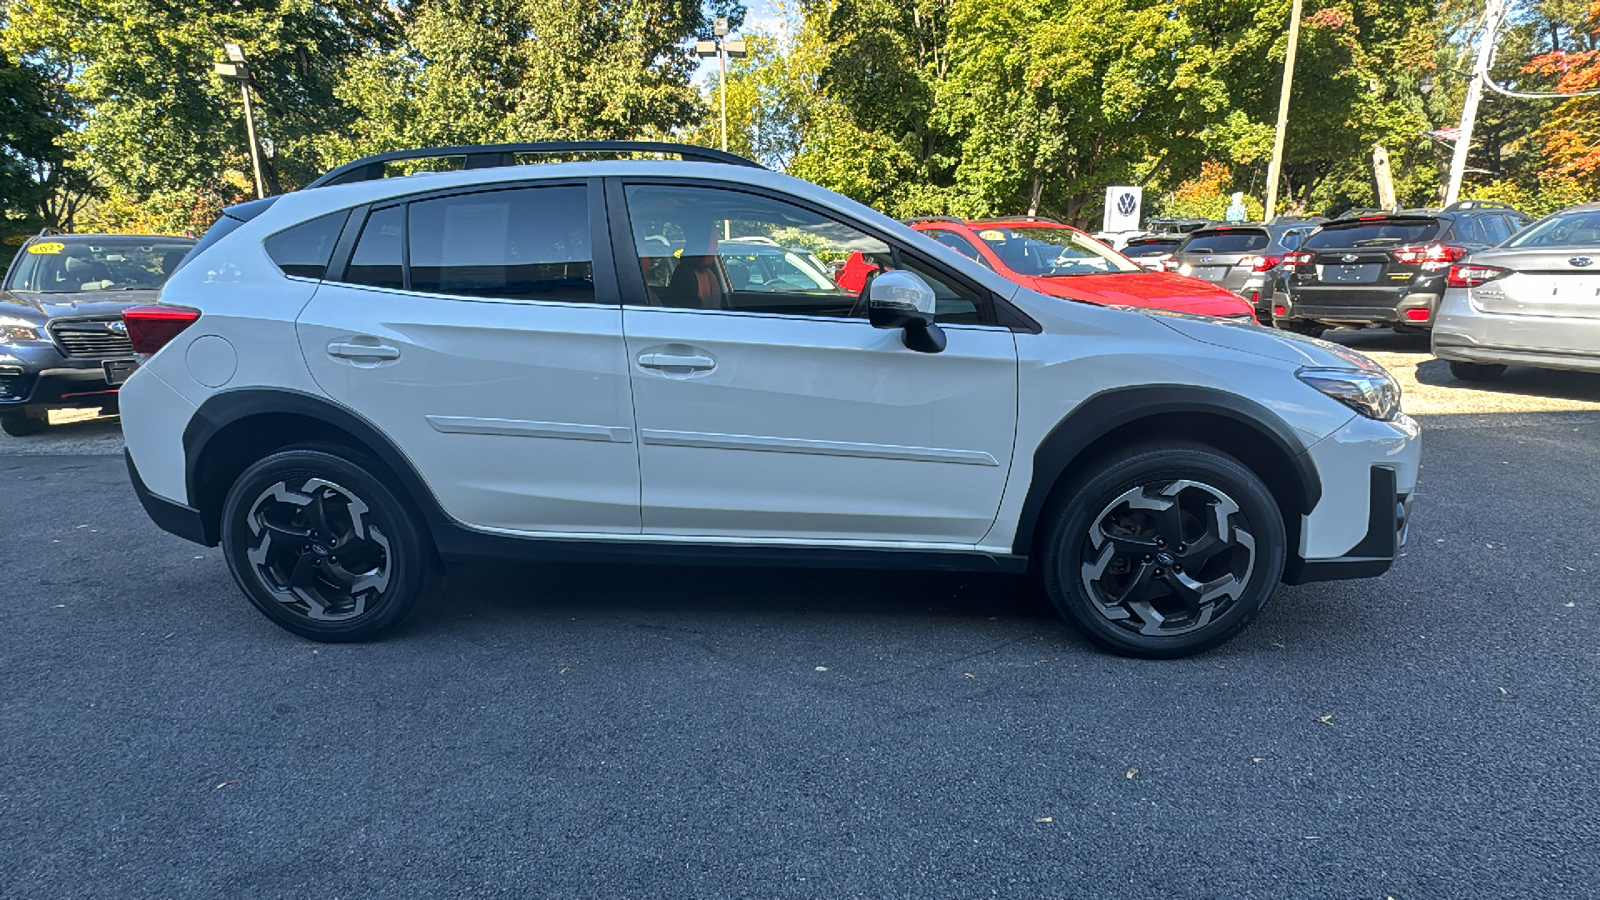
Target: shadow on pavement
(1517,381)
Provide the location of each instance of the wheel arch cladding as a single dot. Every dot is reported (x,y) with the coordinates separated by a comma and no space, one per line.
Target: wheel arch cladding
(234,429)
(1118,418)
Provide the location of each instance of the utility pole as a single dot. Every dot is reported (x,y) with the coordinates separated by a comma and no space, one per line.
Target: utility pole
(1492,17)
(722,48)
(236,68)
(1275,168)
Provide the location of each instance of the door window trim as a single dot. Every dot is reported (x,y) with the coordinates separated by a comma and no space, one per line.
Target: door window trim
(603,266)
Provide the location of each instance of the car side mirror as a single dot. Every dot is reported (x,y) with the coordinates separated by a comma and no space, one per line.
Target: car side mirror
(901,299)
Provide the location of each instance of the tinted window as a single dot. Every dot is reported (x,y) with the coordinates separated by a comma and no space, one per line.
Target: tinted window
(1574,229)
(1291,238)
(376,260)
(1380,233)
(1226,242)
(709,248)
(521,244)
(1498,228)
(305,249)
(959,244)
(1150,248)
(1469,230)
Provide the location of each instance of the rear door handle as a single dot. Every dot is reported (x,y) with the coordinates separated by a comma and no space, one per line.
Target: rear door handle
(674,361)
(353,350)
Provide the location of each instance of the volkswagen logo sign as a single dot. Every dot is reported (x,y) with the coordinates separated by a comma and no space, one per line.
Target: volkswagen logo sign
(1581,261)
(1349,257)
(1126,204)
(119,327)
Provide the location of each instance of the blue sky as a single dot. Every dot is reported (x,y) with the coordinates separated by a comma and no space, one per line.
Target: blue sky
(762,15)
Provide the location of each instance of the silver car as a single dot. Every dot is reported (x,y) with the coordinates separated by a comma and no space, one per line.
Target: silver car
(1533,300)
(1242,258)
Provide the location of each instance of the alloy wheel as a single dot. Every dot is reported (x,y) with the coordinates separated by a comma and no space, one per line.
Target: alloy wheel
(316,551)
(1167,559)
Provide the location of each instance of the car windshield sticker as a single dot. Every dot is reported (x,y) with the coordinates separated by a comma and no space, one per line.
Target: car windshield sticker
(992,235)
(47,247)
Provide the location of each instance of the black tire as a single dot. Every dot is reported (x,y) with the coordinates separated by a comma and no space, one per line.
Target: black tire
(1301,326)
(284,523)
(23,424)
(1240,555)
(1476,371)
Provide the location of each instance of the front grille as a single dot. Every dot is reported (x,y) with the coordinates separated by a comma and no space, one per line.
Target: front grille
(96,337)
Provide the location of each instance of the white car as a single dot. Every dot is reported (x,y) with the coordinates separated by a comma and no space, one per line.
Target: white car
(348,384)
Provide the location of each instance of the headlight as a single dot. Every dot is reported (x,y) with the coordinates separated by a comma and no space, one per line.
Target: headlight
(18,330)
(1374,394)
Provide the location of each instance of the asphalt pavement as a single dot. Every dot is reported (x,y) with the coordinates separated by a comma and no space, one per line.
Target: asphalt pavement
(688,732)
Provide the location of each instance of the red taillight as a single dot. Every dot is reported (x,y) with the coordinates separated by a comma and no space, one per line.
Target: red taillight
(1280,310)
(1470,276)
(1417,315)
(1433,256)
(1255,296)
(1294,260)
(1265,263)
(151,327)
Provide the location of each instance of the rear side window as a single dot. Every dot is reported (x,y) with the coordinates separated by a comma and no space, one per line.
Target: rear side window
(377,260)
(1380,233)
(517,244)
(1497,227)
(1470,231)
(305,249)
(1226,242)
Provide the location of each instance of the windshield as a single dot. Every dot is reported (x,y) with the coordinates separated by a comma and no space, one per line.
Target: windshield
(1380,233)
(69,265)
(1049,252)
(1225,242)
(1578,229)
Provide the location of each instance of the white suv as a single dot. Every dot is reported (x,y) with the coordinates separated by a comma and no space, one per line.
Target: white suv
(699,360)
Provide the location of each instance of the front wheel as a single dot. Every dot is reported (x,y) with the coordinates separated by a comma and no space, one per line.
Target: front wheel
(23,424)
(322,547)
(1476,371)
(1164,551)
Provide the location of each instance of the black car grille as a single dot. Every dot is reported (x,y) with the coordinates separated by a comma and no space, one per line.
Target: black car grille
(97,337)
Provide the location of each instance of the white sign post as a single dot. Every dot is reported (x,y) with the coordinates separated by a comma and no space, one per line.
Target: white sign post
(1122,208)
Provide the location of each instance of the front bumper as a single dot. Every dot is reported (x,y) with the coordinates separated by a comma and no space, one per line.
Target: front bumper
(1369,475)
(36,375)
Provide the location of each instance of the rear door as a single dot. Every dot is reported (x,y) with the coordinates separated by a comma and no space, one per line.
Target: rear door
(481,332)
(783,415)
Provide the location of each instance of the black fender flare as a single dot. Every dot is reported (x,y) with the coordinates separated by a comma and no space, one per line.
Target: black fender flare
(1109,410)
(226,408)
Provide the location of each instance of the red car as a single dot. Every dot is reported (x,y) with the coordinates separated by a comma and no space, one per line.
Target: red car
(1062,261)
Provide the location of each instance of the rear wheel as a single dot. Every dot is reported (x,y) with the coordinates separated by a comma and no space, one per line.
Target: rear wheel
(322,547)
(22,424)
(1164,551)
(1467,371)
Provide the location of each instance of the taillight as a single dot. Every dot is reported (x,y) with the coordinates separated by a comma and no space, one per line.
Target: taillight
(1470,276)
(1265,263)
(1280,310)
(1419,314)
(1431,257)
(151,327)
(1295,260)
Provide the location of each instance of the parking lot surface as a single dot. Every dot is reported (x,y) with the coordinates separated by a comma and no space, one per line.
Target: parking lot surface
(686,732)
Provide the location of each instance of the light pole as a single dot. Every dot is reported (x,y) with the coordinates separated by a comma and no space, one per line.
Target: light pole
(236,68)
(1275,168)
(722,48)
(1469,110)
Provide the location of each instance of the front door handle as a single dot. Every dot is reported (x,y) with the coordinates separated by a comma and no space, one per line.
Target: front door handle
(695,363)
(359,351)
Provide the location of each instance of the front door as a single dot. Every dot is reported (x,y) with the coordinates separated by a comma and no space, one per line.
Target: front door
(769,408)
(471,330)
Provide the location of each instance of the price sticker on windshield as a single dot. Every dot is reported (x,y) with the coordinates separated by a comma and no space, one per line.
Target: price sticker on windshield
(992,235)
(47,247)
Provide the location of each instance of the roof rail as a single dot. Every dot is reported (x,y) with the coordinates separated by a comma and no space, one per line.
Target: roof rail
(1477,204)
(998,219)
(489,156)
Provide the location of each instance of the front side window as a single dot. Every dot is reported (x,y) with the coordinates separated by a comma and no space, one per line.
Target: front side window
(516,244)
(70,265)
(721,249)
(1042,252)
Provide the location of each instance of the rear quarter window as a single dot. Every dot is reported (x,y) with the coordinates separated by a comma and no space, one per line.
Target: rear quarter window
(305,249)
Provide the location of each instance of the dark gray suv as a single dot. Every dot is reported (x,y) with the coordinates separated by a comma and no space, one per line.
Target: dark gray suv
(1387,268)
(1242,258)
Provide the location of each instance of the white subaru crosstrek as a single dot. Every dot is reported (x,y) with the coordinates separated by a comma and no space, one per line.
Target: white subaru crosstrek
(655,360)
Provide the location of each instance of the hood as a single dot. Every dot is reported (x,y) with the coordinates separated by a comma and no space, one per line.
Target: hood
(42,307)
(1148,290)
(1295,349)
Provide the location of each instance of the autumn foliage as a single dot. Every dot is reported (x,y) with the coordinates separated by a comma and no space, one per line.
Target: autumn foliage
(1571,136)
